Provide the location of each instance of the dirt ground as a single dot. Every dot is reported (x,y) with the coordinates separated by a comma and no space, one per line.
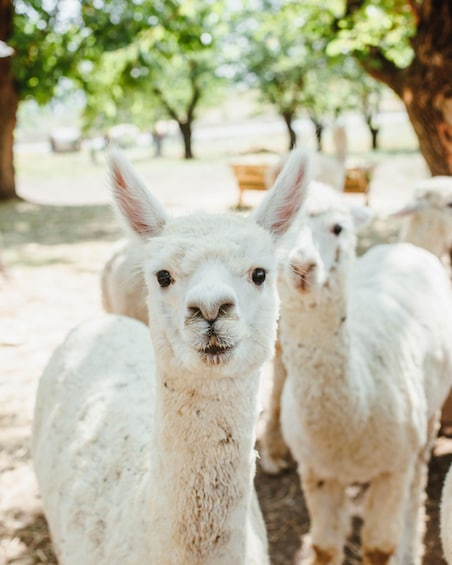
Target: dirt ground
(53,255)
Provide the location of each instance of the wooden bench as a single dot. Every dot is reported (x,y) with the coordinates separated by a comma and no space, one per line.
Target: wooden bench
(357,180)
(256,177)
(250,177)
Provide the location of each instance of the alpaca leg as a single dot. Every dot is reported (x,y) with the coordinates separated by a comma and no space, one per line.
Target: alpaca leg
(411,546)
(273,450)
(330,518)
(383,516)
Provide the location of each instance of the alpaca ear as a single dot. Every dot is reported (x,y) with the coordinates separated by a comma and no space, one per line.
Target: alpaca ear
(284,200)
(407,210)
(140,210)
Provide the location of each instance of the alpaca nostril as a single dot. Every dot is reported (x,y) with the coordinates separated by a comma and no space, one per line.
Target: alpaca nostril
(194,312)
(225,309)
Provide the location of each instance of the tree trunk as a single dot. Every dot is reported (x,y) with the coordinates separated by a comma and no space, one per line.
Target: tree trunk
(318,132)
(185,129)
(429,107)
(288,119)
(374,131)
(374,137)
(9,100)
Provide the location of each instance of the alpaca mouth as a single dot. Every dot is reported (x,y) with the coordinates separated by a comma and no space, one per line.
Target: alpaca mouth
(302,283)
(216,352)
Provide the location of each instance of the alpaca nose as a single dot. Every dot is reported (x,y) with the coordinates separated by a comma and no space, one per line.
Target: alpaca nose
(210,305)
(303,260)
(210,313)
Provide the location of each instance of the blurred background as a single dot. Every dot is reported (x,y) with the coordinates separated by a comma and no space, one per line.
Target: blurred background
(202,79)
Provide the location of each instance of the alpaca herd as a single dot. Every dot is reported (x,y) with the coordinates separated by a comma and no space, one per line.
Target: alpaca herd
(144,435)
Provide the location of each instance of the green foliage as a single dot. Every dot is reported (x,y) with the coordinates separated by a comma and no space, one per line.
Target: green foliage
(145,60)
(45,48)
(168,68)
(285,55)
(387,25)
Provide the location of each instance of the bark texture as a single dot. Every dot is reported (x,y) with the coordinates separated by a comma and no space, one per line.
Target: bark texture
(9,100)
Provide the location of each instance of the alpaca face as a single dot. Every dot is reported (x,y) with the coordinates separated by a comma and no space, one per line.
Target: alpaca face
(322,245)
(321,252)
(219,302)
(212,297)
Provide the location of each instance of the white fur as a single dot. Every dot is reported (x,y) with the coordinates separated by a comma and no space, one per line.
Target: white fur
(144,449)
(367,348)
(428,218)
(123,288)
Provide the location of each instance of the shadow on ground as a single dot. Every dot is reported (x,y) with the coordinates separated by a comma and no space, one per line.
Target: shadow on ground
(23,222)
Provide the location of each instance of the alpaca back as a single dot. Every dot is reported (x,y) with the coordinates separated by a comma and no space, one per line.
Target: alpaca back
(400,309)
(95,401)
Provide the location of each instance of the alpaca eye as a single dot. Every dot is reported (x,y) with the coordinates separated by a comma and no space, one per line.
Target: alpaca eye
(336,229)
(164,278)
(258,276)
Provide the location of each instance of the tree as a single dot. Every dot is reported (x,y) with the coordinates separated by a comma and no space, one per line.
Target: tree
(407,45)
(43,52)
(173,62)
(274,56)
(282,49)
(369,101)
(355,90)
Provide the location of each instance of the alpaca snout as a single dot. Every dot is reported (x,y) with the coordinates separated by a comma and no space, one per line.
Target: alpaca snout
(302,274)
(210,302)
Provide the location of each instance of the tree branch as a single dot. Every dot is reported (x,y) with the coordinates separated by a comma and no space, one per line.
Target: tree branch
(384,70)
(166,104)
(194,101)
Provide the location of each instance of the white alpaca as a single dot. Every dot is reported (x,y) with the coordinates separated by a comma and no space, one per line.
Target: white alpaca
(272,446)
(367,348)
(429,217)
(123,288)
(144,460)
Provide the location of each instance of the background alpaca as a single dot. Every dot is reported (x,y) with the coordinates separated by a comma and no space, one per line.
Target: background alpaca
(367,348)
(272,446)
(123,288)
(428,218)
(142,460)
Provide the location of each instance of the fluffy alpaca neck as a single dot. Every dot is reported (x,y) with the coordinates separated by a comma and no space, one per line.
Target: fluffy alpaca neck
(204,475)
(321,343)
(324,321)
